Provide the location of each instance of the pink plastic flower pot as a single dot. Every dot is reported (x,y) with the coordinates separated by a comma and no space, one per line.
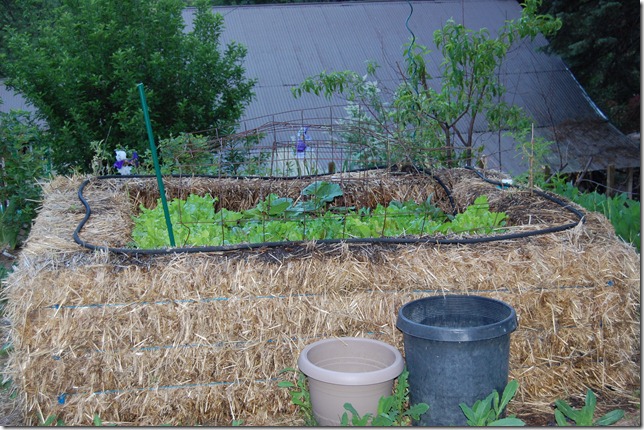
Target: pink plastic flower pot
(348,370)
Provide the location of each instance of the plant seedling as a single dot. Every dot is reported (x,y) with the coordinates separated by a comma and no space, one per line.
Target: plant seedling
(300,396)
(52,420)
(487,412)
(391,410)
(585,415)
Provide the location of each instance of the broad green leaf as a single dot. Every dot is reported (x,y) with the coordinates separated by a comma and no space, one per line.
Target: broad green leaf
(568,411)
(417,410)
(387,419)
(322,191)
(495,403)
(303,206)
(228,217)
(279,206)
(508,394)
(560,418)
(610,418)
(349,407)
(588,411)
(469,413)
(385,404)
(481,408)
(507,422)
(344,421)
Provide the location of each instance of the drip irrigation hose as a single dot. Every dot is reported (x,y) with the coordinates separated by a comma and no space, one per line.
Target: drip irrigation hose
(546,196)
(376,240)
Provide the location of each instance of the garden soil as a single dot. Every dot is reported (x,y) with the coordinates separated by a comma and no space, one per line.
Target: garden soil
(203,337)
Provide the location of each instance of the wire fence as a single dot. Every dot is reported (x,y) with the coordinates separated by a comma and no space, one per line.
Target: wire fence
(304,143)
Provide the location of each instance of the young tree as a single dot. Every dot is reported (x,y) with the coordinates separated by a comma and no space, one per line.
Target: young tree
(81,69)
(429,123)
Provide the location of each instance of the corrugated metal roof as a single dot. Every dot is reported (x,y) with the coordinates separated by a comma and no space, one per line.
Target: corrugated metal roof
(12,101)
(288,42)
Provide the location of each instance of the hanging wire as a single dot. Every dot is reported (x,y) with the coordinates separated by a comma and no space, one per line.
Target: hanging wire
(414,66)
(411,44)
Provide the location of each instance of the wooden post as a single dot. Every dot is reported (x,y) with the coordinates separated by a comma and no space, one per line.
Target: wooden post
(531,168)
(547,173)
(610,180)
(629,183)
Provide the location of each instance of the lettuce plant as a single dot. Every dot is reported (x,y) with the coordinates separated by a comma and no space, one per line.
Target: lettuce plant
(312,217)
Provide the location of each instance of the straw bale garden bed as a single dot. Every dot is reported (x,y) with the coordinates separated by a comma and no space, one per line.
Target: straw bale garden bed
(200,336)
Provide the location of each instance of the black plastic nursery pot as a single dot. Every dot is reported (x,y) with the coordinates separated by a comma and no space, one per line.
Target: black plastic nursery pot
(457,349)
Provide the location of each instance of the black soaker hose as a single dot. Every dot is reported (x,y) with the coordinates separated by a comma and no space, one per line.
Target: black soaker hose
(380,240)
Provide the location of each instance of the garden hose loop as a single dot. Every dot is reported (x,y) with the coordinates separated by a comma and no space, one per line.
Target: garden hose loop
(377,240)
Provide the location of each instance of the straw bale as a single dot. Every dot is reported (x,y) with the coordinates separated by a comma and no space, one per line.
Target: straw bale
(202,337)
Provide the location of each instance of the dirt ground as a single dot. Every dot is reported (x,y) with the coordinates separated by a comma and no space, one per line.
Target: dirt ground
(11,414)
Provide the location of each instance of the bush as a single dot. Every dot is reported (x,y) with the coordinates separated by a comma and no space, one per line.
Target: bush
(81,65)
(23,147)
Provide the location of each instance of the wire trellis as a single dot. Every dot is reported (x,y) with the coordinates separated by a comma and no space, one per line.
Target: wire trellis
(304,143)
(320,177)
(325,150)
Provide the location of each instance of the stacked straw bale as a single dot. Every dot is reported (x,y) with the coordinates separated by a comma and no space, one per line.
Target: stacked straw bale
(202,338)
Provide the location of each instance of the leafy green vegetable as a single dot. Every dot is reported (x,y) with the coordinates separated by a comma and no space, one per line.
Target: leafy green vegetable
(476,218)
(277,219)
(623,213)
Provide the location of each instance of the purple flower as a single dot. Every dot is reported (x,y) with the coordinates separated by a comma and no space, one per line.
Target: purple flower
(301,139)
(301,146)
(123,164)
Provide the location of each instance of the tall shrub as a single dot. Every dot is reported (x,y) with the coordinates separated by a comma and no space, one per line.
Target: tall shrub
(23,146)
(82,67)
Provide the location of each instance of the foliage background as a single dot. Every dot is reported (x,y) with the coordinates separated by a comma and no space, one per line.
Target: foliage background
(79,64)
(600,43)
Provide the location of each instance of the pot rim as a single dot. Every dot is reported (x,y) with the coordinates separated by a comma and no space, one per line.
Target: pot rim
(505,323)
(312,370)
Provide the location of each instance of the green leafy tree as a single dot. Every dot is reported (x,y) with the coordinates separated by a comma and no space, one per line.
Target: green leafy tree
(82,65)
(428,123)
(17,14)
(600,41)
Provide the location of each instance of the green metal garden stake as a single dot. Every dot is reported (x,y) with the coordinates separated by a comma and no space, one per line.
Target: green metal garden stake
(157,169)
